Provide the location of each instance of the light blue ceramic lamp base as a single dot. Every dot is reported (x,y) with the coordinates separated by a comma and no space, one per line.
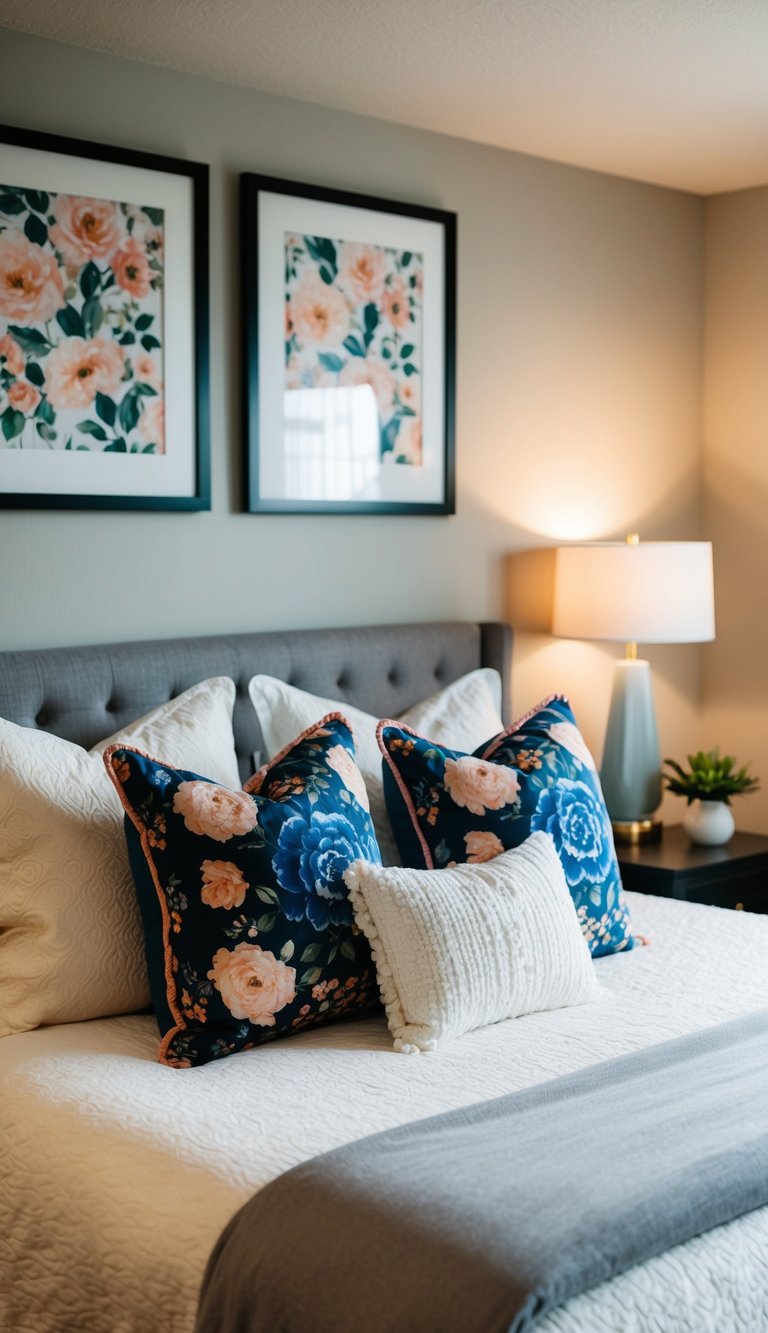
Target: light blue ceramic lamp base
(631,771)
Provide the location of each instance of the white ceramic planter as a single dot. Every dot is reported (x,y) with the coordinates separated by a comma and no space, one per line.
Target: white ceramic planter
(709,823)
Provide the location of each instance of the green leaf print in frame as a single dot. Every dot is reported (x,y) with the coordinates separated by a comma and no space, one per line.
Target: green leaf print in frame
(103,326)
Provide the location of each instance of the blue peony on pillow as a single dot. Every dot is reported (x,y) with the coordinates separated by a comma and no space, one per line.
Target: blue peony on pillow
(447,808)
(248,928)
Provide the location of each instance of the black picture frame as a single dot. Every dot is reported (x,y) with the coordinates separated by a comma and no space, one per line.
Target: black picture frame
(318,220)
(174,265)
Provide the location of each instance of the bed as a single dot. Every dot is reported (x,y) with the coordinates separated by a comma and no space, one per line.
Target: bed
(118,1173)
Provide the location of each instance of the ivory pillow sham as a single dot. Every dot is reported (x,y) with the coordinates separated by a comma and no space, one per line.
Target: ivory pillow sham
(71,944)
(461,715)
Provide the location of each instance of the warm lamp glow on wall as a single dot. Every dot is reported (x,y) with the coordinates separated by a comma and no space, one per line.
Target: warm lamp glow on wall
(632,592)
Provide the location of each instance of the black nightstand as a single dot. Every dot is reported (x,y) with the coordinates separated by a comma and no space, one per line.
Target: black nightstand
(735,875)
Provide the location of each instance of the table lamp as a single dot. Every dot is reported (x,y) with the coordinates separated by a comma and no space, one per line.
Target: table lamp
(633,592)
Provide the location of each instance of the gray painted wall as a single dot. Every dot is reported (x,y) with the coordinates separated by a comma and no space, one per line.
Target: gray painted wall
(578,374)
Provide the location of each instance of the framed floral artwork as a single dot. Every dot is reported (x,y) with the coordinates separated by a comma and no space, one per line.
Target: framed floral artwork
(103,327)
(349,351)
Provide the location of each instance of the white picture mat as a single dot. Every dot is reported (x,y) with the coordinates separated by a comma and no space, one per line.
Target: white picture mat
(55,471)
(278,214)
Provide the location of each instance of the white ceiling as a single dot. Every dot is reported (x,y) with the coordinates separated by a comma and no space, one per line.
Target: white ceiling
(671,91)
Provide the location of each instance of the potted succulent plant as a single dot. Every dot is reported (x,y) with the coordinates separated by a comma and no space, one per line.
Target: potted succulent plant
(708,784)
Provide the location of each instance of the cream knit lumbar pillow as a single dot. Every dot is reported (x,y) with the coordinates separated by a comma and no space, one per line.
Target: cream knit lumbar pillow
(459,948)
(71,943)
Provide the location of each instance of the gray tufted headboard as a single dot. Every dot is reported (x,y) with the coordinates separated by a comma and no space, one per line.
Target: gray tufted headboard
(85,694)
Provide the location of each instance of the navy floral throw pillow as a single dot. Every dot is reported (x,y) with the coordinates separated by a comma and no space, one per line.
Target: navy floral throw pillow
(249,931)
(447,808)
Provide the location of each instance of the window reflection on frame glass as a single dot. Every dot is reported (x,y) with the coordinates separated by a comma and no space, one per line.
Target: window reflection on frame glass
(349,351)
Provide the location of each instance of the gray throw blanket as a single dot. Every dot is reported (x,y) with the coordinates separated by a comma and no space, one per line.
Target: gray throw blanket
(483,1219)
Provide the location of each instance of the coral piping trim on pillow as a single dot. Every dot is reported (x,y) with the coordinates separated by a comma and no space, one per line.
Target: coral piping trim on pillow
(143,832)
(254,785)
(404,792)
(521,721)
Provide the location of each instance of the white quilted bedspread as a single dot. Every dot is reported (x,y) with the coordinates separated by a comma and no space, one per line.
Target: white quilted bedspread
(118,1174)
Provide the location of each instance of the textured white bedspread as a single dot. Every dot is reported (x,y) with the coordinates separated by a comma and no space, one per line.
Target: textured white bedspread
(117,1174)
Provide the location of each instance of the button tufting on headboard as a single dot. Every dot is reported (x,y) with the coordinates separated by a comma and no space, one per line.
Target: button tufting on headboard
(382,669)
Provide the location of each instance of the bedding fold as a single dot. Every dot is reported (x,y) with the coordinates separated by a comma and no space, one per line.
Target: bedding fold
(487,1217)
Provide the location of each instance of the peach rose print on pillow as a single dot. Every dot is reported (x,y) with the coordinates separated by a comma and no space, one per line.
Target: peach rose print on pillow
(354,318)
(482,846)
(478,785)
(253,983)
(215,812)
(224,884)
(340,760)
(81,323)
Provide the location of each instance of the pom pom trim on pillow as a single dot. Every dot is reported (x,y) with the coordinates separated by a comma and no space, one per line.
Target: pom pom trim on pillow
(430,931)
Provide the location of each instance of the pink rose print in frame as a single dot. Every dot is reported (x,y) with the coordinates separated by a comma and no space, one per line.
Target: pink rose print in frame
(349,351)
(103,326)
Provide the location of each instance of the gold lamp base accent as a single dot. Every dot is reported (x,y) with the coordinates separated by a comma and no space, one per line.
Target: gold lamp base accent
(633,831)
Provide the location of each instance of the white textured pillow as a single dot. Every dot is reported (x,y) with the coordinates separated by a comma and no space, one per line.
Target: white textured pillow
(462,716)
(459,948)
(71,942)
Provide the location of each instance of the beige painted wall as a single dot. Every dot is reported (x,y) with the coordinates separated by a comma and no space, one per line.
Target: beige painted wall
(578,389)
(735,702)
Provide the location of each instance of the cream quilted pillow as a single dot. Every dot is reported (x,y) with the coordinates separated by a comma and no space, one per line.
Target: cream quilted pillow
(459,948)
(71,942)
(462,715)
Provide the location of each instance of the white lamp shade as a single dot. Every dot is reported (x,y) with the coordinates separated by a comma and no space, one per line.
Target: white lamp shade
(653,592)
